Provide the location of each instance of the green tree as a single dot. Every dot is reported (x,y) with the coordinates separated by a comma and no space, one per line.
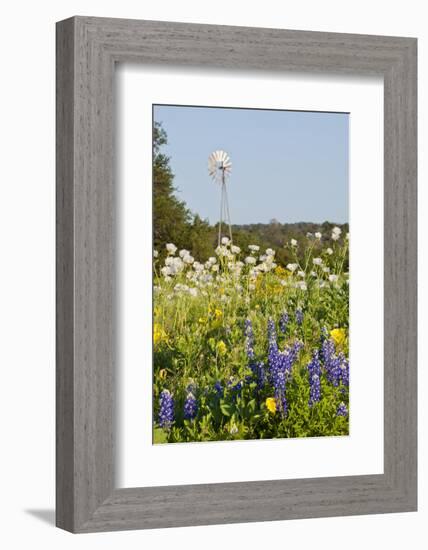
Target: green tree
(171,218)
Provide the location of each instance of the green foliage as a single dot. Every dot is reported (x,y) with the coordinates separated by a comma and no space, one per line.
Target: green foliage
(199,340)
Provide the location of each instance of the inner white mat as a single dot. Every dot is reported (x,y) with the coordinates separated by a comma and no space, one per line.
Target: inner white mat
(140,463)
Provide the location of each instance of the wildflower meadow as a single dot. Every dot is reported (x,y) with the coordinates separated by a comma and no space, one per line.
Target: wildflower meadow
(246,347)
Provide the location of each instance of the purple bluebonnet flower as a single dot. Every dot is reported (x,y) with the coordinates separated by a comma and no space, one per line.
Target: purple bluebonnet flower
(333,370)
(280,366)
(299,316)
(314,368)
(283,322)
(344,369)
(166,410)
(190,407)
(249,340)
(259,374)
(336,366)
(238,386)
(294,351)
(273,346)
(282,405)
(329,359)
(218,388)
(342,410)
(327,350)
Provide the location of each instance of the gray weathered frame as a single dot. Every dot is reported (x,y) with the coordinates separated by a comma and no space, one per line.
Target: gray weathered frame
(87,50)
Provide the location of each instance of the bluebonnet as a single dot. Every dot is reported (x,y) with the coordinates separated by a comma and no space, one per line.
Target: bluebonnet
(249,340)
(280,366)
(166,410)
(235,388)
(273,346)
(283,322)
(295,348)
(342,410)
(218,388)
(314,368)
(190,407)
(299,316)
(259,374)
(336,366)
(282,405)
(344,369)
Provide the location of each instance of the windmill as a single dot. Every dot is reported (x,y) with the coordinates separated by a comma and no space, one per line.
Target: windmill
(219,168)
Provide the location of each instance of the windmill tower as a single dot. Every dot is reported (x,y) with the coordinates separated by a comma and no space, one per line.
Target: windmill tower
(219,168)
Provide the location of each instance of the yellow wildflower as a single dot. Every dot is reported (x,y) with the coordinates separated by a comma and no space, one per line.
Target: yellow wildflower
(218,313)
(162,374)
(280,271)
(202,320)
(159,335)
(271,404)
(221,348)
(338,335)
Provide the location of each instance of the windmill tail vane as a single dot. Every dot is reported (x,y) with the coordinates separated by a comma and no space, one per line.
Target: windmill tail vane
(219,168)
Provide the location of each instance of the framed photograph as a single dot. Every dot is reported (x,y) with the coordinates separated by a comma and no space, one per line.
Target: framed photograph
(236,274)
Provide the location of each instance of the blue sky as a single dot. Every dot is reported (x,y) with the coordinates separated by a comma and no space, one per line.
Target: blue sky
(287,165)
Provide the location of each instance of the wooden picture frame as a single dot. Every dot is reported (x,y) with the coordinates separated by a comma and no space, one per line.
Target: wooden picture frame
(87,50)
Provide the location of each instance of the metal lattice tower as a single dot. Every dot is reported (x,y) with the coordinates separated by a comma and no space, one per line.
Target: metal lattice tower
(219,168)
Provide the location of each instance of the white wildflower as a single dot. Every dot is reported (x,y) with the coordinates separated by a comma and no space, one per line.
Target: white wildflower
(329,251)
(292,267)
(166,271)
(188,259)
(336,232)
(309,235)
(301,285)
(301,274)
(333,278)
(225,241)
(171,248)
(235,249)
(293,242)
(318,235)
(155,253)
(193,292)
(249,260)
(326,269)
(183,253)
(251,287)
(214,267)
(317,261)
(270,252)
(254,247)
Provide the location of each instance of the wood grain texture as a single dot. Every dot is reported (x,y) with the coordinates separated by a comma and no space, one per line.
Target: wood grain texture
(87,50)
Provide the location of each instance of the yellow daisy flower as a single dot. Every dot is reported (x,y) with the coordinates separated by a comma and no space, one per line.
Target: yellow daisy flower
(271,404)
